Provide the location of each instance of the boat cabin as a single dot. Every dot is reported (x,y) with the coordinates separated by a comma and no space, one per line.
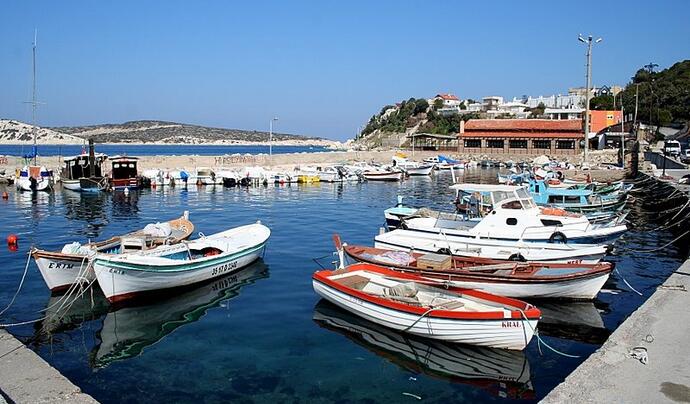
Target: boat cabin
(124,173)
(78,166)
(479,199)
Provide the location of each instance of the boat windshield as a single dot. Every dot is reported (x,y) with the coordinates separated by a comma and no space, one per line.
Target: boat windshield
(499,196)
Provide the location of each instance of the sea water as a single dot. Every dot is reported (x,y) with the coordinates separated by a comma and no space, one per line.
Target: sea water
(262,335)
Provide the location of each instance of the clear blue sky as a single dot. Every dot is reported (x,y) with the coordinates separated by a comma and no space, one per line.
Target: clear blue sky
(322,67)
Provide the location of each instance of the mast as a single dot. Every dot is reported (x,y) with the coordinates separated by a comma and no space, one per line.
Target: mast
(33,98)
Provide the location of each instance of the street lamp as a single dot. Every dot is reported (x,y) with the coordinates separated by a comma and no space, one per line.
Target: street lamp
(270,137)
(588,41)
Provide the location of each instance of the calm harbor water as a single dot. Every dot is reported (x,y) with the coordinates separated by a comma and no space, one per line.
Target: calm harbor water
(155,150)
(262,335)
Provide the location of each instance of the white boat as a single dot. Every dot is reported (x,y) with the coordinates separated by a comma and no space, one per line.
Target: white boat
(125,276)
(409,303)
(206,176)
(419,170)
(33,178)
(513,216)
(61,269)
(158,178)
(330,174)
(285,178)
(382,175)
(406,240)
(183,177)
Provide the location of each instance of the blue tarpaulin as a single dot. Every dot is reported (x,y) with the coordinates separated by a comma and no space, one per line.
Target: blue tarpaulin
(34,153)
(444,159)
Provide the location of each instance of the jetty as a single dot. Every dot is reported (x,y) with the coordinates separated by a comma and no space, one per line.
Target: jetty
(26,378)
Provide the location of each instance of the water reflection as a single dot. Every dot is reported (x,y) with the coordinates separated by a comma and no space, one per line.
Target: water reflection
(128,330)
(502,373)
(90,207)
(573,320)
(67,312)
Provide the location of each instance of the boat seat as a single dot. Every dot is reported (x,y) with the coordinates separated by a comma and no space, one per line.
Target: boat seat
(354,281)
(408,289)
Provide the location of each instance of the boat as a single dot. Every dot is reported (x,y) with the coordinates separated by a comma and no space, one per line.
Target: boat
(508,212)
(406,240)
(62,269)
(575,200)
(411,167)
(83,172)
(125,276)
(380,175)
(414,305)
(512,279)
(206,176)
(420,170)
(130,329)
(158,178)
(500,372)
(124,174)
(33,177)
(330,174)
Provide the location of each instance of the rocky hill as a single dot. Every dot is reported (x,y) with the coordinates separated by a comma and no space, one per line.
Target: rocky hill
(145,132)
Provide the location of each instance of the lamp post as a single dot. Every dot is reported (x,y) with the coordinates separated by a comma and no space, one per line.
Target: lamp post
(270,137)
(588,41)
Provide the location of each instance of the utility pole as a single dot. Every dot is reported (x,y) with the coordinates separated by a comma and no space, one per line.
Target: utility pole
(622,137)
(270,138)
(637,94)
(588,95)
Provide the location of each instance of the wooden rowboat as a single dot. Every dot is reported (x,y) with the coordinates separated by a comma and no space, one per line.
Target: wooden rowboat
(125,276)
(513,279)
(382,175)
(61,269)
(412,304)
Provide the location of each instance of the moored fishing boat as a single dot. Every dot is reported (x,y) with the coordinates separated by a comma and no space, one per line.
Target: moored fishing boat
(61,269)
(512,279)
(405,240)
(125,276)
(124,174)
(411,304)
(382,175)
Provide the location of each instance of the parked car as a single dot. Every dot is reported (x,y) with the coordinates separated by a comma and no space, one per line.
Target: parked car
(685,156)
(672,148)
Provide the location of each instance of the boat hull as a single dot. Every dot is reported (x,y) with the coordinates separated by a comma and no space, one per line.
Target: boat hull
(498,333)
(426,170)
(404,240)
(387,176)
(60,271)
(72,185)
(120,283)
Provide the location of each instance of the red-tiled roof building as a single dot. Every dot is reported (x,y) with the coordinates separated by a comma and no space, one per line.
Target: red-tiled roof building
(520,136)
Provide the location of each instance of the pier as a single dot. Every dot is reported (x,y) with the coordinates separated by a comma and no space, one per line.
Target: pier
(645,359)
(26,378)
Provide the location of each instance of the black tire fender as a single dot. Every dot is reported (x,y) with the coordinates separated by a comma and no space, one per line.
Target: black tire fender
(558,237)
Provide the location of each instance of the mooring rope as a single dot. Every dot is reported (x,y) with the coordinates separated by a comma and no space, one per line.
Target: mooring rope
(21,283)
(660,248)
(626,282)
(541,341)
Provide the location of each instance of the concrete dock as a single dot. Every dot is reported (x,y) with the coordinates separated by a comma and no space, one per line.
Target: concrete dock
(660,328)
(26,378)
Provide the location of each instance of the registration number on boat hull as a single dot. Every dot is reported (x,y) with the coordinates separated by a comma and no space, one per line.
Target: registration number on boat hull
(221,269)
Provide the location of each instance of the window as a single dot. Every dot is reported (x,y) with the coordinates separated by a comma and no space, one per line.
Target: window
(494,144)
(572,199)
(512,205)
(541,144)
(116,165)
(555,199)
(511,221)
(548,222)
(518,144)
(565,144)
(473,143)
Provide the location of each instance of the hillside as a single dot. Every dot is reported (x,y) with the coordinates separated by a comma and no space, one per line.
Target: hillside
(12,131)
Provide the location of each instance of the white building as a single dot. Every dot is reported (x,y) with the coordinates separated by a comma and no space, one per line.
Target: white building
(564,113)
(449,100)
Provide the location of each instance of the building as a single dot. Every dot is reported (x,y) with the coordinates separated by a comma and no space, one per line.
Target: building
(565,113)
(599,120)
(432,141)
(554,101)
(449,100)
(520,136)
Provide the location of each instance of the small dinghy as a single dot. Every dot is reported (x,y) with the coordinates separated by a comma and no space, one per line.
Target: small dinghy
(512,279)
(125,276)
(382,175)
(415,305)
(61,269)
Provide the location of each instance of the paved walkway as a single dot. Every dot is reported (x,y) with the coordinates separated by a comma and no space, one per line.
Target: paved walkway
(661,326)
(26,378)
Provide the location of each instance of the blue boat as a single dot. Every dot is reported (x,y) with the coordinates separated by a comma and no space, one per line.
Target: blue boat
(575,200)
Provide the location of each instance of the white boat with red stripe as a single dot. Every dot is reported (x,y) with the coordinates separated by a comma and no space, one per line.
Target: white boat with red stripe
(412,304)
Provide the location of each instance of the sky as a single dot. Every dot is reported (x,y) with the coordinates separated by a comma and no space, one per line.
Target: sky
(322,67)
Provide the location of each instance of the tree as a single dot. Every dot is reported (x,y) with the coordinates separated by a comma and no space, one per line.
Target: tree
(601,103)
(438,104)
(421,105)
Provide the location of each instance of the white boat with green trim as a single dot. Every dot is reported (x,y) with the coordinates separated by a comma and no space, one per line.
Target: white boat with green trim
(125,276)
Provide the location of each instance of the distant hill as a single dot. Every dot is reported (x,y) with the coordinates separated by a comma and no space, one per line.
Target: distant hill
(12,131)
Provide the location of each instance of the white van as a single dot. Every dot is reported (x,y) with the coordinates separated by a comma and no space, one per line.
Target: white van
(672,148)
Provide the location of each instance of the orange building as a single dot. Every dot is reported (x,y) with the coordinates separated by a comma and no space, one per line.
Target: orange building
(599,120)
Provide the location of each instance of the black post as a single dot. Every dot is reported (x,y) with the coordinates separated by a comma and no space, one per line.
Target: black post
(663,174)
(92,159)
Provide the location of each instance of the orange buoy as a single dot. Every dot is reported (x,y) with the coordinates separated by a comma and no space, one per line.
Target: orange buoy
(12,240)
(5,195)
